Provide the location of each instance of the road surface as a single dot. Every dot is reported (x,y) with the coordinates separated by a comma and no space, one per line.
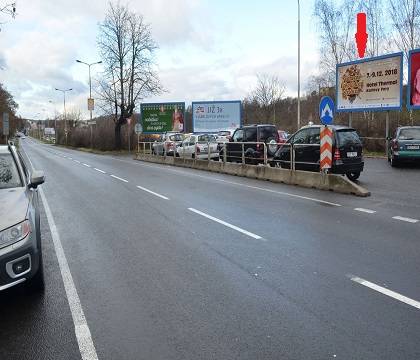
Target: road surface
(172,263)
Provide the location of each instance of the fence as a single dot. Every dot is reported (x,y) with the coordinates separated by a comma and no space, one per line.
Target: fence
(251,153)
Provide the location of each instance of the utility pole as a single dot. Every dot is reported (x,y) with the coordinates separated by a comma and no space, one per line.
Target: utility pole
(298,104)
(65,115)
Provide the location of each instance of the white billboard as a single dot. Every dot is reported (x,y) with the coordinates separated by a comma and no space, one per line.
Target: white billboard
(49,131)
(214,116)
(372,84)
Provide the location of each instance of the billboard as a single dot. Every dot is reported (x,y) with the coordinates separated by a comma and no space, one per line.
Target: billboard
(49,131)
(213,116)
(413,93)
(373,84)
(162,117)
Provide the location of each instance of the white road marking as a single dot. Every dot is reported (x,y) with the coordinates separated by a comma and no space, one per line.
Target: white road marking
(101,171)
(70,158)
(226,224)
(153,193)
(116,177)
(235,183)
(406,219)
(387,292)
(367,211)
(81,328)
(77,161)
(86,165)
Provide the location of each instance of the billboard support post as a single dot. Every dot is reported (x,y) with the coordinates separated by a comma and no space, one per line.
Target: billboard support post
(350,119)
(387,133)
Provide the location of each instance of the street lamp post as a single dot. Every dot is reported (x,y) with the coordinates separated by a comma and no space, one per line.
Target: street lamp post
(65,115)
(298,104)
(90,93)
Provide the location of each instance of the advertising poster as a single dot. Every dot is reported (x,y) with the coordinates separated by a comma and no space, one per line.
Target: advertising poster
(413,101)
(214,116)
(372,84)
(162,117)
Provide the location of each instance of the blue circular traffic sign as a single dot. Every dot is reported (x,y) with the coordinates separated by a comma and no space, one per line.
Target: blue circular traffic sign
(326,110)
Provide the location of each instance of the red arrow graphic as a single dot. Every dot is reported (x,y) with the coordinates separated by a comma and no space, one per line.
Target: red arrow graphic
(361,35)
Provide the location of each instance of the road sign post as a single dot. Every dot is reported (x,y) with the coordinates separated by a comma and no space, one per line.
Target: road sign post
(6,125)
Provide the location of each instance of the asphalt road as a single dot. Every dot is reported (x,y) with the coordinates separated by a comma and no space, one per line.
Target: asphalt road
(172,263)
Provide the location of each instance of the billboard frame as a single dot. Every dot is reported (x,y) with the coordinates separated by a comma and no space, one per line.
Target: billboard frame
(161,103)
(215,102)
(409,106)
(399,108)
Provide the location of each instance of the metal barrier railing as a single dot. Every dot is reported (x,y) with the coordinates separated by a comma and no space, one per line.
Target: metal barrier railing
(253,153)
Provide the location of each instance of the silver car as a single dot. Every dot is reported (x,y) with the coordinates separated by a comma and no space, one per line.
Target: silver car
(20,235)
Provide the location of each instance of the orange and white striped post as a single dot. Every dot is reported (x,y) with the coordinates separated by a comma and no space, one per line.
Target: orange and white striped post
(326,148)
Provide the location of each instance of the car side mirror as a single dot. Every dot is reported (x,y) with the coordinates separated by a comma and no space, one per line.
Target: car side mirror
(37,178)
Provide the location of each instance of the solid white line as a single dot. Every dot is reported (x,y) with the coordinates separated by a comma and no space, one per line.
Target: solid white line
(153,193)
(234,183)
(387,292)
(81,328)
(116,177)
(226,224)
(401,218)
(367,211)
(86,165)
(101,171)
(77,161)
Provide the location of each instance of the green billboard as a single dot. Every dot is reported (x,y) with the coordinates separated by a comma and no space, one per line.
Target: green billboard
(162,117)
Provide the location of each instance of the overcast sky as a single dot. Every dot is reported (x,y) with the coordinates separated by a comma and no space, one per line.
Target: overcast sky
(208,49)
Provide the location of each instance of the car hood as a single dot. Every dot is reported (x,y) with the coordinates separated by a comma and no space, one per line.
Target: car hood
(13,206)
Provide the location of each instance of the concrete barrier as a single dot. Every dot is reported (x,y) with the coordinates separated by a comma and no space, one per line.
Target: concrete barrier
(330,182)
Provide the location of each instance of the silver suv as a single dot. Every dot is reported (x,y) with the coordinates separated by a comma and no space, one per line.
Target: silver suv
(20,235)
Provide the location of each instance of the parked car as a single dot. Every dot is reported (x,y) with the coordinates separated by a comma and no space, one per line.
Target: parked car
(224,136)
(197,146)
(347,151)
(283,136)
(405,146)
(20,234)
(250,135)
(167,143)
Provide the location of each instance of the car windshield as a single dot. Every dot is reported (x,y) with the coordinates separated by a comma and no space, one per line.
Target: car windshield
(176,137)
(9,174)
(410,134)
(208,138)
(348,137)
(267,132)
(223,133)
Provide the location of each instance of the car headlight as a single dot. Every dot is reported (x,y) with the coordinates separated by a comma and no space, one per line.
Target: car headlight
(15,233)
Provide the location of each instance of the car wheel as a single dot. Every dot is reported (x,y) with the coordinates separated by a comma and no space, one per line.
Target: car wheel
(272,146)
(37,284)
(353,176)
(393,161)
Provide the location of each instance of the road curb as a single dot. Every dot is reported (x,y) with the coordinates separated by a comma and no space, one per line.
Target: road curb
(331,182)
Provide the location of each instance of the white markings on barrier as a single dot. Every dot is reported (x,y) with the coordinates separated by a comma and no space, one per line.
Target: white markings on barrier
(118,178)
(386,292)
(153,193)
(101,171)
(245,232)
(406,219)
(367,211)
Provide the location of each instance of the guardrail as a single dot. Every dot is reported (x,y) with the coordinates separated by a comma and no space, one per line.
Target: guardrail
(239,152)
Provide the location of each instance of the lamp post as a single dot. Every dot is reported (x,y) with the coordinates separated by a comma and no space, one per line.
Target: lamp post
(90,94)
(65,115)
(298,104)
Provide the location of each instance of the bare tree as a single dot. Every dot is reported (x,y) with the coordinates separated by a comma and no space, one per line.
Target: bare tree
(336,31)
(268,91)
(127,48)
(7,9)
(405,15)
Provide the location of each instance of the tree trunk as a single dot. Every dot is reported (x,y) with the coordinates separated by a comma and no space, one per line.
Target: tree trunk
(117,131)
